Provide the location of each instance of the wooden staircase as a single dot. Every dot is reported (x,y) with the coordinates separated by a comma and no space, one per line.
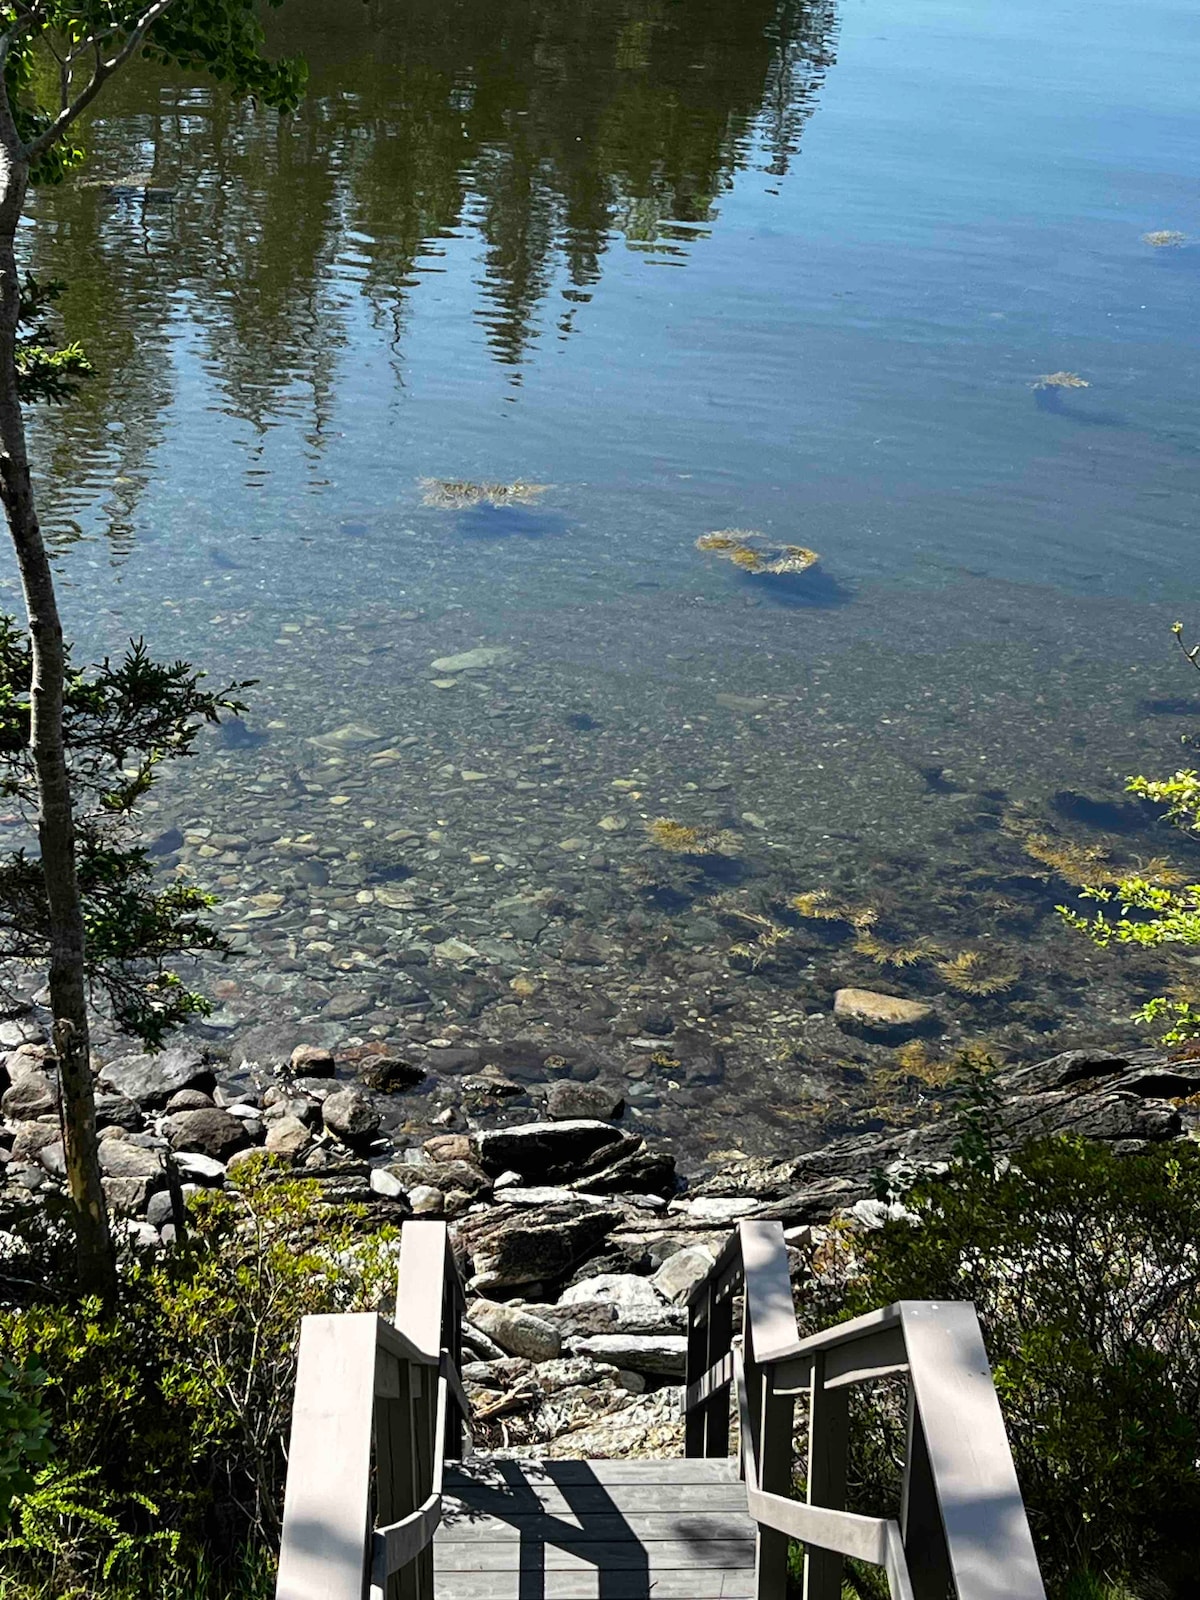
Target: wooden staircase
(381,1505)
(594,1530)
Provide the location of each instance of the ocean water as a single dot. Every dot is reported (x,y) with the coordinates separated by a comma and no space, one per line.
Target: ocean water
(793,269)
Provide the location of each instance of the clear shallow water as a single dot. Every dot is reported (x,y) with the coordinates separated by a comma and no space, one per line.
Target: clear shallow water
(790,269)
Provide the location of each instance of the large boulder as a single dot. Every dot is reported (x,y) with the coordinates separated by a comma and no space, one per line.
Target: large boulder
(661,1355)
(515,1250)
(634,1306)
(31,1096)
(518,1332)
(151,1080)
(350,1115)
(207,1131)
(680,1273)
(545,1151)
(288,1137)
(119,1158)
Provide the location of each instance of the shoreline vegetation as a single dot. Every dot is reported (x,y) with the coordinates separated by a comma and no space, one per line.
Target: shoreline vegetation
(246,1198)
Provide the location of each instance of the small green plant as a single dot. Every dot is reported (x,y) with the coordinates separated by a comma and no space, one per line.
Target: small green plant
(167,1411)
(1154,909)
(24,1430)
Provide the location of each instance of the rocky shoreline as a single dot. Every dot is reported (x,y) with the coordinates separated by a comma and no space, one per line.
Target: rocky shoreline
(579,1238)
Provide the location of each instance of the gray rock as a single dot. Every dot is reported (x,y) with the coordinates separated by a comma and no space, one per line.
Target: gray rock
(312,1061)
(189,1100)
(287,1136)
(484,655)
(160,1209)
(209,1132)
(344,1006)
(350,1115)
(623,1289)
(544,1151)
(386,1183)
(118,1111)
(680,1273)
(151,1080)
(31,1096)
(569,1101)
(573,1372)
(518,1332)
(127,1197)
(713,1211)
(639,1170)
(53,1158)
(654,1355)
(389,1074)
(30,1137)
(119,1158)
(426,1201)
(140,1235)
(538,1247)
(475,1339)
(201,1169)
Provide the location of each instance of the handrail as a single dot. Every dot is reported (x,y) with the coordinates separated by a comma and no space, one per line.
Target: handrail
(379,1409)
(962,1523)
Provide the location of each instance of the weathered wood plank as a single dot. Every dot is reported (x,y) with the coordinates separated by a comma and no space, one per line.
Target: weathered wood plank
(611,1555)
(598,1498)
(514,1585)
(678,1472)
(571,1530)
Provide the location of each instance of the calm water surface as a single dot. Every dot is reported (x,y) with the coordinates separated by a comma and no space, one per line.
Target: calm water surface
(780,267)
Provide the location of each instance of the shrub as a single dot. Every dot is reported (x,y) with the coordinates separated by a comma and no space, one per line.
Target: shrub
(170,1411)
(1084,1267)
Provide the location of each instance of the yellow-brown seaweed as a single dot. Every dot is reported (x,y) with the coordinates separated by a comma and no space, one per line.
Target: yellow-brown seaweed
(1164,239)
(978,972)
(678,839)
(1060,380)
(450,494)
(753,552)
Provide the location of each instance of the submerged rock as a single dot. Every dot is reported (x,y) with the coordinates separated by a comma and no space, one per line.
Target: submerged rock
(754,553)
(882,1015)
(484,655)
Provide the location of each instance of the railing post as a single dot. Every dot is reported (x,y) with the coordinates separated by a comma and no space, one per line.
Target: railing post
(776,1415)
(327,1505)
(989,1548)
(710,1338)
(828,1438)
(920,1519)
(425,1287)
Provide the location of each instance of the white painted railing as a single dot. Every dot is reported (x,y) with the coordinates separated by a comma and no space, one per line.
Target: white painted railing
(961,1527)
(379,1408)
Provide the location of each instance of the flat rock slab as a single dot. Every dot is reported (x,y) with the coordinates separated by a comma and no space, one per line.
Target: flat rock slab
(544,1151)
(880,1015)
(483,656)
(151,1080)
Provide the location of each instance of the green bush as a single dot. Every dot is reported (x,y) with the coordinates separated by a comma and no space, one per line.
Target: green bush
(1084,1267)
(169,1414)
(24,1431)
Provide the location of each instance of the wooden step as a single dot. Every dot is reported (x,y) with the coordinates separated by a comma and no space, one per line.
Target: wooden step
(594,1530)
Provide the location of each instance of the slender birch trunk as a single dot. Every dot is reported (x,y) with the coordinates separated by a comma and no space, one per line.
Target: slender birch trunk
(55,822)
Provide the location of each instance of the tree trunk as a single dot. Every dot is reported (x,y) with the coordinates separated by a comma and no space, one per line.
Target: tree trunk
(56,830)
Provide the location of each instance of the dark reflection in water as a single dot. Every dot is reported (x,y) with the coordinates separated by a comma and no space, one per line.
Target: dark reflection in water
(549,131)
(1053,401)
